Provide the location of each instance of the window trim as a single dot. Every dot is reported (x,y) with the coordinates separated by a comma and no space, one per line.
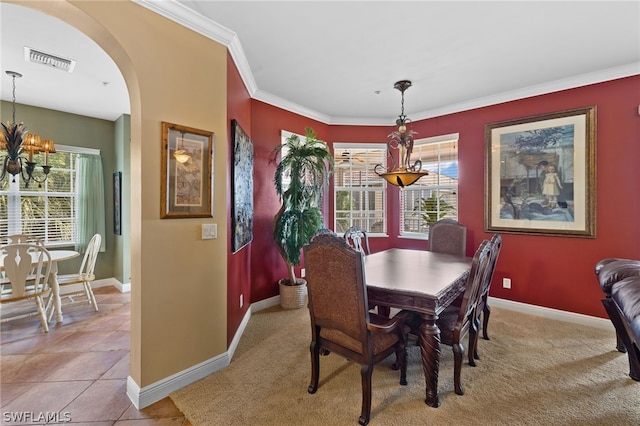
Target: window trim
(427,141)
(364,145)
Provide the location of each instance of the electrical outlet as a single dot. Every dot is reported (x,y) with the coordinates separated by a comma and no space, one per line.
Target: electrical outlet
(303,273)
(506,282)
(241,300)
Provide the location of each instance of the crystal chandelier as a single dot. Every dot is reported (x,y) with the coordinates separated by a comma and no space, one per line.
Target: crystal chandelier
(15,140)
(401,173)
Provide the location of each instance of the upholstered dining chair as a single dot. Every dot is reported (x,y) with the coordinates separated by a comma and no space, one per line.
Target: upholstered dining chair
(456,322)
(483,305)
(357,238)
(84,277)
(482,308)
(27,268)
(448,236)
(340,319)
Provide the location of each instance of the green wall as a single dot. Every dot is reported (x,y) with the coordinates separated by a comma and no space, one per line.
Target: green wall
(77,130)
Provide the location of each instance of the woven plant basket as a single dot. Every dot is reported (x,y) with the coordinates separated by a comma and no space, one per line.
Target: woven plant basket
(292,296)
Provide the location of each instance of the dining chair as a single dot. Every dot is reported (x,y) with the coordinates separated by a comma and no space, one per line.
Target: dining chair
(17,239)
(448,236)
(340,319)
(27,268)
(456,322)
(483,305)
(84,277)
(357,238)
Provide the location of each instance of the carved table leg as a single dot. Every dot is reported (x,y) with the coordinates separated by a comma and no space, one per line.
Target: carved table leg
(430,349)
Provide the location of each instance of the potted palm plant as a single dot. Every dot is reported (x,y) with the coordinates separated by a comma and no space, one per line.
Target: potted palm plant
(300,178)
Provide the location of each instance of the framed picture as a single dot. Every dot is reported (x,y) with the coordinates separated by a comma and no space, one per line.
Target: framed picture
(242,215)
(541,174)
(186,179)
(117,203)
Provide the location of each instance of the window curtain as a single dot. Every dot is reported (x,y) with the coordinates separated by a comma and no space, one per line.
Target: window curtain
(91,211)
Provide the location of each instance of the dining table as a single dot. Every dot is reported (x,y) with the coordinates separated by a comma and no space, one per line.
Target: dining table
(56,256)
(424,282)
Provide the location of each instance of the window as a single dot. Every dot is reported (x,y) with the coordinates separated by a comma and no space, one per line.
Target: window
(46,210)
(359,192)
(435,196)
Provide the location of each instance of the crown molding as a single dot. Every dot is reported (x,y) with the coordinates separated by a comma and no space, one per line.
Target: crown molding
(186,17)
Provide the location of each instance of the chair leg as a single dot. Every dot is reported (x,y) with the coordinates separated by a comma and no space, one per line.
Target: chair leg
(42,313)
(366,371)
(473,343)
(486,311)
(90,296)
(49,305)
(401,361)
(458,353)
(315,366)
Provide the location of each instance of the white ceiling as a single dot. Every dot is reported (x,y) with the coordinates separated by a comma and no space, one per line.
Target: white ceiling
(337,61)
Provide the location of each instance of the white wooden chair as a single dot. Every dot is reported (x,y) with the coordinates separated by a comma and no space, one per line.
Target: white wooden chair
(84,277)
(27,268)
(357,239)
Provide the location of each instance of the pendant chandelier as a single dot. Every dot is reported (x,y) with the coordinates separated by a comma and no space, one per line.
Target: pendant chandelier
(15,141)
(401,173)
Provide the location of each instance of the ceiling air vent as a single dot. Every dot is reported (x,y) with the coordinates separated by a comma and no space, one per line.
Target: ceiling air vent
(38,57)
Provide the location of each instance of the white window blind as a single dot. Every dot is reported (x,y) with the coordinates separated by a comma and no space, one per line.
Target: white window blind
(46,210)
(359,193)
(435,196)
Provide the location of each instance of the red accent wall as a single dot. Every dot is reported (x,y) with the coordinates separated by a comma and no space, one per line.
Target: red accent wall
(239,263)
(554,272)
(267,122)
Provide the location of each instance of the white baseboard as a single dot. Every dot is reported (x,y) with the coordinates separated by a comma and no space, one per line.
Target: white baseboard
(265,304)
(146,396)
(554,314)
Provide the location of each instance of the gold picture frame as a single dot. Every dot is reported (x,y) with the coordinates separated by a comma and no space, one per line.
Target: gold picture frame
(187,179)
(541,174)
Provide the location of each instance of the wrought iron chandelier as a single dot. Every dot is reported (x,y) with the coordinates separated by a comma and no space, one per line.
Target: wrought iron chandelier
(15,140)
(401,173)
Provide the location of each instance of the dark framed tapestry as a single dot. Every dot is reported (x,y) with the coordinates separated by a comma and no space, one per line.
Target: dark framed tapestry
(242,202)
(541,174)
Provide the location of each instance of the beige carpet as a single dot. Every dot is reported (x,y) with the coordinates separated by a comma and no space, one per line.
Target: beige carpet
(533,371)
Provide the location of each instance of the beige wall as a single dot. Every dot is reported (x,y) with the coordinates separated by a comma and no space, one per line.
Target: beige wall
(178,303)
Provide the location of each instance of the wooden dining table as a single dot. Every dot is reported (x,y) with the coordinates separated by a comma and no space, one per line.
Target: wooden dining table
(420,281)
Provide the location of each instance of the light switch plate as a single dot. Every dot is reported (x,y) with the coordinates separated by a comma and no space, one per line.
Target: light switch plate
(209,231)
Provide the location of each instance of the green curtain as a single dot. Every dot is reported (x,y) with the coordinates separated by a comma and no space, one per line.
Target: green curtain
(91,211)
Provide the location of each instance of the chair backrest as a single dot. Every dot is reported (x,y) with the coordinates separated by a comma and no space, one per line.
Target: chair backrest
(21,239)
(358,239)
(27,268)
(337,296)
(472,292)
(448,236)
(91,255)
(496,246)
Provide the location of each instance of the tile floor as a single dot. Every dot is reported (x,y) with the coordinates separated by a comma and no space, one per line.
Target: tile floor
(77,372)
